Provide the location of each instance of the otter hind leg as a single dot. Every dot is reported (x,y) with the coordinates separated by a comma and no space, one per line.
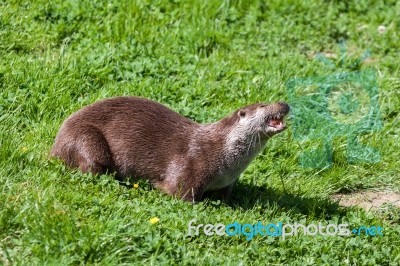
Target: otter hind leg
(86,148)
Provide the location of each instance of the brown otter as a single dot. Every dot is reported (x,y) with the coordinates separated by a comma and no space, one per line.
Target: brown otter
(136,137)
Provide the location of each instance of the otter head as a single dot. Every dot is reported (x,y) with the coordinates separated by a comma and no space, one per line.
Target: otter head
(266,119)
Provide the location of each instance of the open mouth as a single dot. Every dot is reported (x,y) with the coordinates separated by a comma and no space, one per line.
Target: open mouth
(275,121)
(277,124)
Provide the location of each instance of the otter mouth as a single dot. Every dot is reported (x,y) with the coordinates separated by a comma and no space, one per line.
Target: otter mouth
(274,118)
(276,123)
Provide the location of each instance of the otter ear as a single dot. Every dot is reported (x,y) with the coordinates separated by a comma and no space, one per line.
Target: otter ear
(241,113)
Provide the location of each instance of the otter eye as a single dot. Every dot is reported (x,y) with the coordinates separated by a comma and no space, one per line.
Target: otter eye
(263,105)
(242,113)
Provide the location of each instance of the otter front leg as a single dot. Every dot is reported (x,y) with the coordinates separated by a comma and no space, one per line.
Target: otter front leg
(226,192)
(192,194)
(196,194)
(222,194)
(190,191)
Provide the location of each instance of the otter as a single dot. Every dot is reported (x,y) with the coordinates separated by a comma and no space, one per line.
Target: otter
(137,137)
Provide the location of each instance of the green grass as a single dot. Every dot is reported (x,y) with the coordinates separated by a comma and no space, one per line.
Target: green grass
(203,59)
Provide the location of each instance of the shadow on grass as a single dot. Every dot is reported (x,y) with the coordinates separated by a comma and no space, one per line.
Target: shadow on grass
(246,196)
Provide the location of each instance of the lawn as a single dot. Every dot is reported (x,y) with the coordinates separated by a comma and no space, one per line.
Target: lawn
(203,59)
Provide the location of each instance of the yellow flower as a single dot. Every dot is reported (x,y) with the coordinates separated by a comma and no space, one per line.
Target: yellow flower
(135,185)
(154,220)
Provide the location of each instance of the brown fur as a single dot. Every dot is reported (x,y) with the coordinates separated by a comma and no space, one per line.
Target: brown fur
(137,137)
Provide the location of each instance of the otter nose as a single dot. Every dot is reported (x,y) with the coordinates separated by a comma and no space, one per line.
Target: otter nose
(285,106)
